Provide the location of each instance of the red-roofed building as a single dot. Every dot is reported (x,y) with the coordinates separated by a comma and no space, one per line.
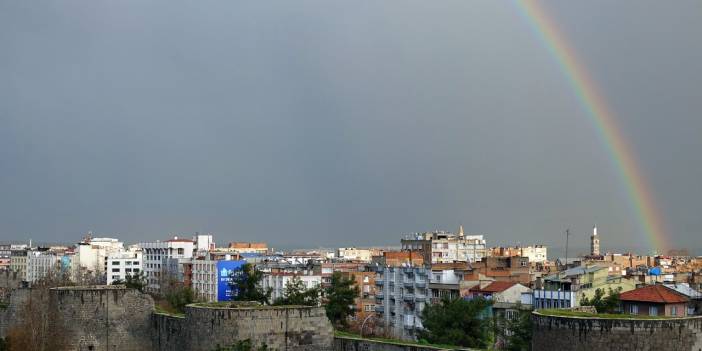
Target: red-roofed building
(654,300)
(499,291)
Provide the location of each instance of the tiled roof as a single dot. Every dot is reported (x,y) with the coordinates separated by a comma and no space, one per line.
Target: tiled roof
(654,293)
(494,287)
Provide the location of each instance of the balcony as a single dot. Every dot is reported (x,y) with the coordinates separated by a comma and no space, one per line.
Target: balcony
(421,283)
(379,282)
(420,298)
(408,297)
(379,309)
(408,283)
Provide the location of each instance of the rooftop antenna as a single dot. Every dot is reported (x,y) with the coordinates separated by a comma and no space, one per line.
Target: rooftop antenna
(567,233)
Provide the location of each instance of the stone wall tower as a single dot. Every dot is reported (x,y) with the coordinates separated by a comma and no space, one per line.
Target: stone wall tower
(594,243)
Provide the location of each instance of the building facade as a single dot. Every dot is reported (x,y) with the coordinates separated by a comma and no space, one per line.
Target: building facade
(121,265)
(401,295)
(445,247)
(156,257)
(40,264)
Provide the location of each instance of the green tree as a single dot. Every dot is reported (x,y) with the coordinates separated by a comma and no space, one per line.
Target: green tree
(519,332)
(457,322)
(136,281)
(297,293)
(602,303)
(180,296)
(247,284)
(340,296)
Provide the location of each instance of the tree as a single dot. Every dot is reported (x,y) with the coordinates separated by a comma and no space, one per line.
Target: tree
(602,303)
(247,284)
(457,322)
(516,332)
(136,281)
(340,295)
(297,293)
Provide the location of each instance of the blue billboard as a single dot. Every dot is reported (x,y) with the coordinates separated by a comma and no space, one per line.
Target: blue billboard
(226,270)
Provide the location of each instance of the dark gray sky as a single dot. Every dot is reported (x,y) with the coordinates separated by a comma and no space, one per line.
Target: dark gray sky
(307,123)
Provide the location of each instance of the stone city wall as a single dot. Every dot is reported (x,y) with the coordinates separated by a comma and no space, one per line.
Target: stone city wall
(97,318)
(581,334)
(293,328)
(11,304)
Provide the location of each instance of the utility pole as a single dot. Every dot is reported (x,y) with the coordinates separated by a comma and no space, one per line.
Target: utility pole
(566,253)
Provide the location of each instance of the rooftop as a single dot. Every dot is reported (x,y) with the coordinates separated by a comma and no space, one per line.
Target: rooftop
(654,293)
(494,287)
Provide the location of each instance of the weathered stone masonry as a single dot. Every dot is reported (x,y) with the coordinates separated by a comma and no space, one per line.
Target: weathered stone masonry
(577,333)
(292,328)
(101,318)
(114,318)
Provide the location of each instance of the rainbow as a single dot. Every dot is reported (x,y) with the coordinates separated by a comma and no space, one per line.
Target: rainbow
(621,155)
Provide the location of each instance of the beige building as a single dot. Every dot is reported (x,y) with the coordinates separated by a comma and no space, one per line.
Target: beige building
(18,263)
(354,254)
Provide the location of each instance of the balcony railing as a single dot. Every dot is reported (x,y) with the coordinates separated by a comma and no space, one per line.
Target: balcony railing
(408,297)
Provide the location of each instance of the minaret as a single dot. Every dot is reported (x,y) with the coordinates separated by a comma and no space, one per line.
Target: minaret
(594,242)
(460,230)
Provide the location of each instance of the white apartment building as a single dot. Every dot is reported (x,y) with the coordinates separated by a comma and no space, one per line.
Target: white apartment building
(156,255)
(92,253)
(278,280)
(122,264)
(204,279)
(536,253)
(39,264)
(445,247)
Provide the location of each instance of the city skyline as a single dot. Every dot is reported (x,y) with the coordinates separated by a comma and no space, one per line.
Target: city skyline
(341,125)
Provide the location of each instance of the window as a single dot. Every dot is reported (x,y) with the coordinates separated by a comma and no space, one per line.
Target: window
(115,263)
(135,270)
(653,311)
(674,311)
(115,270)
(128,270)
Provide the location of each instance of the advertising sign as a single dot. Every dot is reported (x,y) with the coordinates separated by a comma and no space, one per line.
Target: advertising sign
(226,270)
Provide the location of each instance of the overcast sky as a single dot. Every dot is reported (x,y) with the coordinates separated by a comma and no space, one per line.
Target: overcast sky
(325,123)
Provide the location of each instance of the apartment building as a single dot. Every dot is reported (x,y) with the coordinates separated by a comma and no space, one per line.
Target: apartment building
(365,302)
(566,289)
(259,248)
(446,247)
(535,253)
(40,264)
(91,254)
(356,254)
(401,295)
(18,262)
(277,280)
(123,264)
(156,255)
